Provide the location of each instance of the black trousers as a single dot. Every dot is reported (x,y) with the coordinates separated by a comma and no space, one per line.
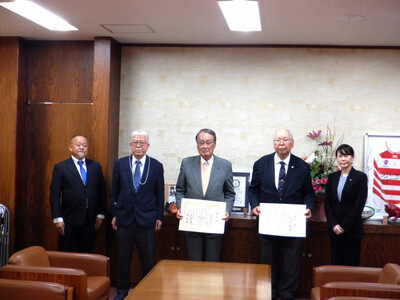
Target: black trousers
(203,246)
(127,237)
(283,255)
(79,239)
(345,252)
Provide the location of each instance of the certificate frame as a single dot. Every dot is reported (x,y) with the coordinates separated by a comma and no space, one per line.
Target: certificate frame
(169,193)
(241,181)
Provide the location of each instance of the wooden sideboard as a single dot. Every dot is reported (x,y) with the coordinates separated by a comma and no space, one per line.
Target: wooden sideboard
(240,244)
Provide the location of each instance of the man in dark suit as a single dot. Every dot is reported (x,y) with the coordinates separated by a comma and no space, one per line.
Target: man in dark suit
(206,177)
(137,207)
(295,188)
(79,183)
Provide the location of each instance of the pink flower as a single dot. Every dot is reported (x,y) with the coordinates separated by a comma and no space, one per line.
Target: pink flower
(326,143)
(323,181)
(314,134)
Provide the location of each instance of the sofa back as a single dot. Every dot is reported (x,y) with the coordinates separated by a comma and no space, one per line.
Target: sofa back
(390,274)
(34,256)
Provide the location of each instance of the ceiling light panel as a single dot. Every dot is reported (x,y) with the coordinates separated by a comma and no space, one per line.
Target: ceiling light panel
(241,15)
(38,15)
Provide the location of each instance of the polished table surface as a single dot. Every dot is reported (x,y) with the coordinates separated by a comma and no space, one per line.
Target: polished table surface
(181,280)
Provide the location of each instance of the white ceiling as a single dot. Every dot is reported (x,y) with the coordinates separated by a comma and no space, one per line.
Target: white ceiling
(284,22)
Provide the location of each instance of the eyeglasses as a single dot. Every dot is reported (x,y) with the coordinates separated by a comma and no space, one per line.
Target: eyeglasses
(140,143)
(208,143)
(278,141)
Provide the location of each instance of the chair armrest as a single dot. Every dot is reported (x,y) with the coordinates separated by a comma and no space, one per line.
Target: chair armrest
(92,264)
(69,277)
(46,270)
(33,290)
(325,274)
(360,289)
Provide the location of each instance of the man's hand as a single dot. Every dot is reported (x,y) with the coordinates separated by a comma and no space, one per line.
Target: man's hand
(114,223)
(256,211)
(99,222)
(158,225)
(338,230)
(308,213)
(60,227)
(226,218)
(178,214)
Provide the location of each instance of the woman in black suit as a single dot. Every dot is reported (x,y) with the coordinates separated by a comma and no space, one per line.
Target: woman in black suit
(346,193)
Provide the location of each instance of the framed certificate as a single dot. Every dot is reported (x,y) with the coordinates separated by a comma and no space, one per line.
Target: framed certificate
(282,219)
(170,192)
(241,186)
(202,216)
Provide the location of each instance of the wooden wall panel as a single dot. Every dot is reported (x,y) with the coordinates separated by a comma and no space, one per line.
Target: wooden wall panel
(13,74)
(105,125)
(61,72)
(51,90)
(59,95)
(106,90)
(50,127)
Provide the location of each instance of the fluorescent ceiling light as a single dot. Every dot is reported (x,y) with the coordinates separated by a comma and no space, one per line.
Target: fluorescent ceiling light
(39,15)
(241,15)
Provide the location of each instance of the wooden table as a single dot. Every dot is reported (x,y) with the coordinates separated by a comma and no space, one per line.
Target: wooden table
(182,280)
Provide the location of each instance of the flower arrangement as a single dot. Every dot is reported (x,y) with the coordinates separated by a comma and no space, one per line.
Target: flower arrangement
(322,160)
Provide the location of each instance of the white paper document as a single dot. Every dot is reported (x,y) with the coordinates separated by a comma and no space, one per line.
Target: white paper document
(282,219)
(202,216)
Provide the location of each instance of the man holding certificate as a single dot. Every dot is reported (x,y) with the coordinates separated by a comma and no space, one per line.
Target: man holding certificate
(281,178)
(205,177)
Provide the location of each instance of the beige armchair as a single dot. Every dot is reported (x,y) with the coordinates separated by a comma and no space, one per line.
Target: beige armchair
(88,274)
(334,281)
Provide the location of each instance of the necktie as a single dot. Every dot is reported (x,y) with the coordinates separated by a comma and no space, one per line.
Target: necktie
(82,170)
(205,176)
(136,178)
(282,176)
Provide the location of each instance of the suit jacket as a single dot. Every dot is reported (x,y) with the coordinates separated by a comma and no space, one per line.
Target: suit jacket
(297,188)
(347,212)
(147,205)
(67,184)
(220,186)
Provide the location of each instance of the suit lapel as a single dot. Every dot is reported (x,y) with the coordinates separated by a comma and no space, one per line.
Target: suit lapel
(270,167)
(146,171)
(215,171)
(348,184)
(89,170)
(335,182)
(128,165)
(196,173)
(289,174)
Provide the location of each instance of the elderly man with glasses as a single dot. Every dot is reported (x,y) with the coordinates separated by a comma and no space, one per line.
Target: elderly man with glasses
(205,177)
(137,207)
(281,177)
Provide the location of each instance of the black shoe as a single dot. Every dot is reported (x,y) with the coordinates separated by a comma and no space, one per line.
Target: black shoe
(120,296)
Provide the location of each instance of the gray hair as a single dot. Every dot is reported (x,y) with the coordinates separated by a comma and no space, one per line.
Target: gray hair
(140,132)
(290,133)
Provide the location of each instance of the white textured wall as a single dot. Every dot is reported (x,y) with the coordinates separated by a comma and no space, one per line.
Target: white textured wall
(245,94)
